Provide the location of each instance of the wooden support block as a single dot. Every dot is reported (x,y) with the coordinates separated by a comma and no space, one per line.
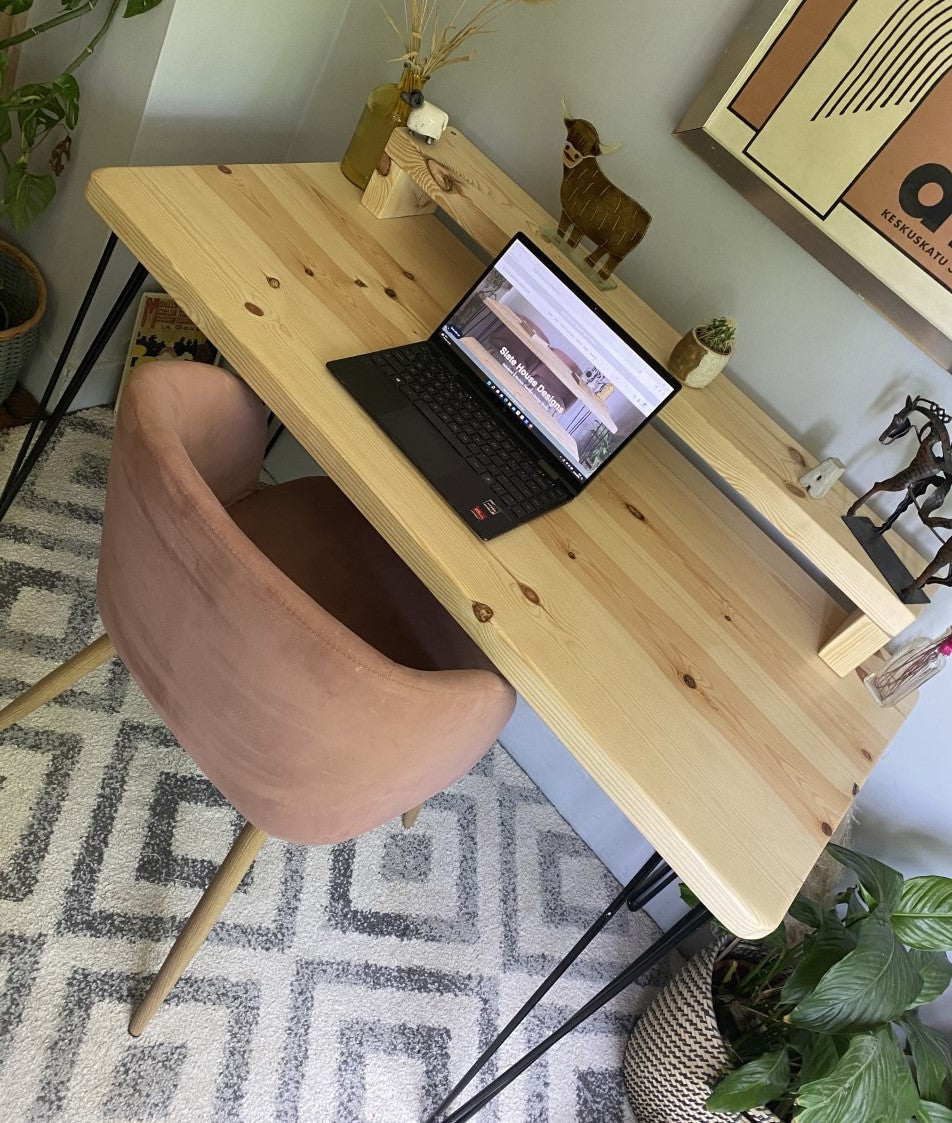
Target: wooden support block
(463,182)
(853,643)
(392,192)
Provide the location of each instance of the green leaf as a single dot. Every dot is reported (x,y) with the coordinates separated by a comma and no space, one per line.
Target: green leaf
(26,195)
(923,917)
(137,7)
(936,972)
(688,895)
(932,1056)
(6,129)
(818,1053)
(933,1113)
(807,912)
(15,7)
(831,942)
(68,89)
(872,1084)
(874,984)
(753,1084)
(882,883)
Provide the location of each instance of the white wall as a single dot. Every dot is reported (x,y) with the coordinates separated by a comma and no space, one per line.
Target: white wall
(220,81)
(812,353)
(234,79)
(67,240)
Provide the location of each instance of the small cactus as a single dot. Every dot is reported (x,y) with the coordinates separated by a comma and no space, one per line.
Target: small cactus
(717,335)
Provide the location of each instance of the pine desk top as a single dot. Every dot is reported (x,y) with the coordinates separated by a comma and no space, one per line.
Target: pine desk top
(666,641)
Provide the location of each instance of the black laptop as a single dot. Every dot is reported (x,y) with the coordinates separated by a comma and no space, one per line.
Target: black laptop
(518,399)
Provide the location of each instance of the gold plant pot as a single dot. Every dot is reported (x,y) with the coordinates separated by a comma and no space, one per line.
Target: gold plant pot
(386,109)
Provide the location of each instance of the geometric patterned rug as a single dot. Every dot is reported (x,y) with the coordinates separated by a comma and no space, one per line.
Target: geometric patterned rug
(343,984)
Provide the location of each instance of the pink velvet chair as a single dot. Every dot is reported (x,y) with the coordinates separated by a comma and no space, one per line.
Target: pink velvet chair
(300,663)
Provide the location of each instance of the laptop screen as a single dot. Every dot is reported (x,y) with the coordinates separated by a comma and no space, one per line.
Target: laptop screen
(572,377)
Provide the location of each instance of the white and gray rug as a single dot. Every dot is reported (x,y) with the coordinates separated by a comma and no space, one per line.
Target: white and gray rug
(343,984)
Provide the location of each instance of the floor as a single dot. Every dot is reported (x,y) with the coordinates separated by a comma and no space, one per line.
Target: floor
(344,984)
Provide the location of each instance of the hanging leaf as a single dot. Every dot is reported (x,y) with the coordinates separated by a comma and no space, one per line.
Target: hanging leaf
(936,972)
(818,1055)
(871,1082)
(874,984)
(26,195)
(68,89)
(882,884)
(933,1113)
(15,7)
(137,7)
(831,942)
(807,912)
(932,1056)
(923,917)
(756,1083)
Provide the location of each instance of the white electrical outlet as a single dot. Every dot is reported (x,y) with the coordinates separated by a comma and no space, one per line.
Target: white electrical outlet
(818,481)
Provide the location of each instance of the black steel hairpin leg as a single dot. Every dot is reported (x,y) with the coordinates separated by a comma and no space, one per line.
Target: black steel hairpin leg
(273,439)
(653,876)
(697,917)
(28,455)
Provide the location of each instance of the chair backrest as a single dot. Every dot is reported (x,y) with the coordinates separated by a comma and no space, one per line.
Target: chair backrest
(308,731)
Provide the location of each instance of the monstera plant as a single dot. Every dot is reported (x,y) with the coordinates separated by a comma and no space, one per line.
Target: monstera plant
(827,1030)
(38,114)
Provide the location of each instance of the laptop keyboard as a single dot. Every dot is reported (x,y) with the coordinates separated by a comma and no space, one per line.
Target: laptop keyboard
(507,466)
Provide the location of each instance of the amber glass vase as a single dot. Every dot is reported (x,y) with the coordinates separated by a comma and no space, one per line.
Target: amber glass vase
(386,108)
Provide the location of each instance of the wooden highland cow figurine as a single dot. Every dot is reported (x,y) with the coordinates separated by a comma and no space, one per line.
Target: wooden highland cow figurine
(592,206)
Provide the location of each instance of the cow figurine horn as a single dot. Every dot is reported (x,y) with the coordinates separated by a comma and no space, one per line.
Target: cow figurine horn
(566,109)
(608,149)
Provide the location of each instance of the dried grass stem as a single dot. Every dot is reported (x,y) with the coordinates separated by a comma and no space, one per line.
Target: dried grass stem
(444,39)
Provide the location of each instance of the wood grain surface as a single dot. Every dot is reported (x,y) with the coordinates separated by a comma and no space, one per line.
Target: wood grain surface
(666,641)
(720,423)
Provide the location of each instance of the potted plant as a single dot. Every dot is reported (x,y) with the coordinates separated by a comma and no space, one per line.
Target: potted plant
(823,1029)
(700,356)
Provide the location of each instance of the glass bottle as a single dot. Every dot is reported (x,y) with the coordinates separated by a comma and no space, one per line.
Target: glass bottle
(386,108)
(912,665)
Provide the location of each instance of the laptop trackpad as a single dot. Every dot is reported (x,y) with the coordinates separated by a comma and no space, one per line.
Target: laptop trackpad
(430,452)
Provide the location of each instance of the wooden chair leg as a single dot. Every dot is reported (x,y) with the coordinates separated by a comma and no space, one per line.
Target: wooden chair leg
(236,864)
(410,817)
(98,652)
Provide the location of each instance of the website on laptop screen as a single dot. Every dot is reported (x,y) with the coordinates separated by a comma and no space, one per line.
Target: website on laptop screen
(558,367)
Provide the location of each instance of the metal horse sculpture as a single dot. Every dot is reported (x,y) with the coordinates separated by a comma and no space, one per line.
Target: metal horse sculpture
(927,469)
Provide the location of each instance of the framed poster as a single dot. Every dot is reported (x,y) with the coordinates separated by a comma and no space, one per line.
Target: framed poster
(833,117)
(162,331)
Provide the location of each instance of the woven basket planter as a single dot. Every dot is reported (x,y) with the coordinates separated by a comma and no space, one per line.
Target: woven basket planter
(23,297)
(676,1055)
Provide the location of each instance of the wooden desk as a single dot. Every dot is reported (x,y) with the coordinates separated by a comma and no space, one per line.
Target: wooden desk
(665,640)
(721,424)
